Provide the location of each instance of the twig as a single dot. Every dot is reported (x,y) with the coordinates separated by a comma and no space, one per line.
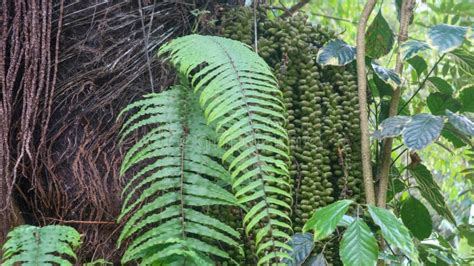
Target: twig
(79,221)
(362,94)
(334,18)
(145,40)
(294,8)
(422,85)
(386,156)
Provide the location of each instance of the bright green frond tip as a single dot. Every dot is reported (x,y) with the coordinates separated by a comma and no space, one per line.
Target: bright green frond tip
(31,245)
(240,96)
(178,173)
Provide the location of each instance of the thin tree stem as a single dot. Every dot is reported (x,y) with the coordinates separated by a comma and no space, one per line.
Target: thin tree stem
(362,94)
(386,156)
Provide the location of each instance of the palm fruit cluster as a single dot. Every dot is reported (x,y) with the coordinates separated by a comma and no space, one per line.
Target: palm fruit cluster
(322,107)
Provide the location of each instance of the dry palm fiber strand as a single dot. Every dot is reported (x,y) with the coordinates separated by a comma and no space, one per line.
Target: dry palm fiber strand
(28,55)
(59,133)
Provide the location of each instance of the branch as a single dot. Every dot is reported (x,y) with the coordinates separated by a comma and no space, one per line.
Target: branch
(362,94)
(422,85)
(386,153)
(295,8)
(334,18)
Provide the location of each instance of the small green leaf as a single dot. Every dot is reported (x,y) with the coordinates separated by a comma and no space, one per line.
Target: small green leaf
(422,130)
(431,191)
(394,231)
(418,63)
(438,103)
(379,38)
(387,75)
(358,246)
(383,88)
(317,260)
(461,123)
(416,218)
(440,84)
(324,220)
(302,245)
(336,53)
(446,38)
(466,95)
(412,47)
(452,137)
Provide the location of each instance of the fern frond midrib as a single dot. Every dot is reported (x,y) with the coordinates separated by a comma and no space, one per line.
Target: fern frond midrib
(181,189)
(257,154)
(37,235)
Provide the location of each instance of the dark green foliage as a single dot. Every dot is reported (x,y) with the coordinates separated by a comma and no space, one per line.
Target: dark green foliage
(416,218)
(240,98)
(31,245)
(431,191)
(379,37)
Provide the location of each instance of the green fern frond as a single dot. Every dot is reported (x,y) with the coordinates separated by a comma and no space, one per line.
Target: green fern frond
(241,98)
(31,245)
(180,177)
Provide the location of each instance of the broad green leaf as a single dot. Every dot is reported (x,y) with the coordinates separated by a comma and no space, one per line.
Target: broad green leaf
(466,95)
(416,218)
(411,48)
(431,191)
(438,103)
(418,63)
(463,59)
(452,137)
(467,231)
(394,232)
(346,221)
(336,53)
(358,246)
(324,220)
(387,75)
(440,84)
(421,130)
(383,88)
(392,127)
(379,38)
(302,245)
(461,123)
(446,38)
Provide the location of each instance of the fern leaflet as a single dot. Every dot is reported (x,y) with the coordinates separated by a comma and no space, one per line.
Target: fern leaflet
(241,98)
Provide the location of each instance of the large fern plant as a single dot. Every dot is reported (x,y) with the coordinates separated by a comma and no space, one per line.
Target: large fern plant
(237,95)
(183,176)
(48,245)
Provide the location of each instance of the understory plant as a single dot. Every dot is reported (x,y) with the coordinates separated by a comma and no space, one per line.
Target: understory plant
(217,140)
(32,245)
